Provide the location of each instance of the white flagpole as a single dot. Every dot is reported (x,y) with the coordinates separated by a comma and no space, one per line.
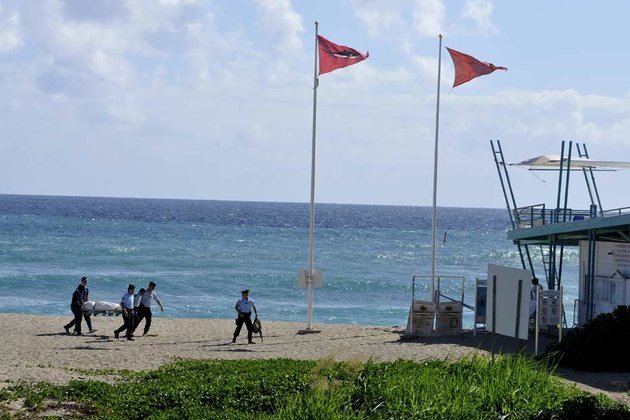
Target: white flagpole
(311,238)
(435,171)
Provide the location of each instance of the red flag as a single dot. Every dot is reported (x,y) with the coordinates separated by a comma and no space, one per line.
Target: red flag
(333,56)
(467,67)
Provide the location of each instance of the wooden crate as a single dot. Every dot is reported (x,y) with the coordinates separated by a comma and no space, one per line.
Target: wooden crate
(422,324)
(422,306)
(448,323)
(450,307)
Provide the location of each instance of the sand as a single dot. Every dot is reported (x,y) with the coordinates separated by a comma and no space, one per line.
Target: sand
(36,348)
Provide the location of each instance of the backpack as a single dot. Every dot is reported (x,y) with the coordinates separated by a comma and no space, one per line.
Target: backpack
(257,326)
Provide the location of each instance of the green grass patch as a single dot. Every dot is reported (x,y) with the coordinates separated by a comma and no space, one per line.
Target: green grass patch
(500,387)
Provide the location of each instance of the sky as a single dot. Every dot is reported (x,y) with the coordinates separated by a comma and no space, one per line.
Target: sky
(214,99)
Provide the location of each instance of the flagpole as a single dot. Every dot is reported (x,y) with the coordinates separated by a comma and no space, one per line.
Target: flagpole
(311,238)
(435,171)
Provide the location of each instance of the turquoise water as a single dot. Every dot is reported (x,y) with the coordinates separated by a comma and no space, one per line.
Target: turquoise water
(202,253)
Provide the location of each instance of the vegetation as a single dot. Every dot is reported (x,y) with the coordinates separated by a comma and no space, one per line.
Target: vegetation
(501,387)
(598,346)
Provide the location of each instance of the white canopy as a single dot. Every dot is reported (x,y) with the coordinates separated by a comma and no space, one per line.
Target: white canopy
(553,161)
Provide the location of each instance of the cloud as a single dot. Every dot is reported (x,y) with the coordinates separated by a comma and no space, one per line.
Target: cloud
(282,23)
(96,11)
(379,17)
(427,66)
(177,3)
(10,31)
(126,110)
(480,11)
(428,17)
(400,21)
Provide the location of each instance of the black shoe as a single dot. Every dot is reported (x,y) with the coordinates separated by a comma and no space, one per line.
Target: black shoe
(65,327)
(116,334)
(131,339)
(234,340)
(78,333)
(251,342)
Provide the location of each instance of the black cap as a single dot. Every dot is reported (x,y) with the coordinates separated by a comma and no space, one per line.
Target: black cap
(245,291)
(151,283)
(131,286)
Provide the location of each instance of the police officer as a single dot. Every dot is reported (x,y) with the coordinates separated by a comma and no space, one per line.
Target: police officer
(76,306)
(86,297)
(244,309)
(127,305)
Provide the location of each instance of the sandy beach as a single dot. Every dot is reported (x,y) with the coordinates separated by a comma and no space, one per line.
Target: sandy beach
(36,348)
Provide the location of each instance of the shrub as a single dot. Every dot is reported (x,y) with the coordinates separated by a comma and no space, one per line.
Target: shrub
(587,407)
(598,346)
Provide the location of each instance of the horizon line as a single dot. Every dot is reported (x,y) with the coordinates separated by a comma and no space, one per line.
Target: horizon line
(240,201)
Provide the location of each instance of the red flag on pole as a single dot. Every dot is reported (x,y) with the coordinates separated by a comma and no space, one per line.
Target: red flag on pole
(468,67)
(333,56)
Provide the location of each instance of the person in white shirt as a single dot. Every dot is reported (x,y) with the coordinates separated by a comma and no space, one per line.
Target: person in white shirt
(144,306)
(127,305)
(244,308)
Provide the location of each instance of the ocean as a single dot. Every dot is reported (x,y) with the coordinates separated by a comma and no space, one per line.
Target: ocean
(201,253)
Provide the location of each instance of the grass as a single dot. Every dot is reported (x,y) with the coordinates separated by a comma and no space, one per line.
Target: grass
(477,388)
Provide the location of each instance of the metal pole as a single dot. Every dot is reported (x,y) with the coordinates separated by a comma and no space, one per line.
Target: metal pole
(477,306)
(518,308)
(537,324)
(494,304)
(311,237)
(557,218)
(561,315)
(435,169)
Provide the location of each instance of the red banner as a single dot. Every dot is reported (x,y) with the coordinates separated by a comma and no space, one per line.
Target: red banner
(333,56)
(468,67)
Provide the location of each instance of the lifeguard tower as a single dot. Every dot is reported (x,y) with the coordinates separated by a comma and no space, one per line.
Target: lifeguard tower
(543,233)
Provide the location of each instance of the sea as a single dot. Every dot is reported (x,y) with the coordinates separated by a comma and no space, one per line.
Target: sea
(202,253)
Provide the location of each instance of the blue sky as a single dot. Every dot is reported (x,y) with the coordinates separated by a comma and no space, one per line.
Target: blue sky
(213,99)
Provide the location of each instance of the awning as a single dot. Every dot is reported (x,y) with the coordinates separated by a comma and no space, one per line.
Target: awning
(553,161)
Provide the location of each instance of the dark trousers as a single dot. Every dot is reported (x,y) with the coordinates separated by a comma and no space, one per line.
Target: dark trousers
(144,312)
(88,320)
(244,318)
(129,323)
(76,322)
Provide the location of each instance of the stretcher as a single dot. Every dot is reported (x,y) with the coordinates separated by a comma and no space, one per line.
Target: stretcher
(102,308)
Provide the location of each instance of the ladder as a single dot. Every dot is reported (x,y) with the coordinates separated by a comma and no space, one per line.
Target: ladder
(546,261)
(589,177)
(510,201)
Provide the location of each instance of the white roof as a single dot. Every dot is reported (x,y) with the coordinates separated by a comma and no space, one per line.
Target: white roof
(553,161)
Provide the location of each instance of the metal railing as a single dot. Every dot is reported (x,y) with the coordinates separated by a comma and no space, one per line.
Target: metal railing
(616,212)
(538,215)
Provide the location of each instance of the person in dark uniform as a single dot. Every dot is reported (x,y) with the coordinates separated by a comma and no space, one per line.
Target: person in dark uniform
(76,306)
(86,297)
(127,305)
(244,309)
